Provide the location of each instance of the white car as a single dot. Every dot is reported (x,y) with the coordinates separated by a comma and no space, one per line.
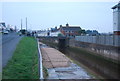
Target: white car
(5,32)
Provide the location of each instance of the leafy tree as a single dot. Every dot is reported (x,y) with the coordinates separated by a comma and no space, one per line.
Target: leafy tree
(82,31)
(60,35)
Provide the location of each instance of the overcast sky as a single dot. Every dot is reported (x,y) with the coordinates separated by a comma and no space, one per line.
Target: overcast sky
(44,15)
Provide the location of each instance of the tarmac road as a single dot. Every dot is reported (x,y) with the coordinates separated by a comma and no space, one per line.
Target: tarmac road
(9,43)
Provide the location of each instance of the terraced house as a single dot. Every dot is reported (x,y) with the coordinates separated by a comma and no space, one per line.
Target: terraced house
(70,31)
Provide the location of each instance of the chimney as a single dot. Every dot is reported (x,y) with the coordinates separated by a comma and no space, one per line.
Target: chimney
(56,27)
(67,25)
(60,25)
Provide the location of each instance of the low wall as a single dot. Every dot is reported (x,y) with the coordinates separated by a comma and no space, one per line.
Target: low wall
(113,40)
(111,52)
(108,51)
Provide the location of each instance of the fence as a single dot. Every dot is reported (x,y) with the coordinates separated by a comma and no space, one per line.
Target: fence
(113,40)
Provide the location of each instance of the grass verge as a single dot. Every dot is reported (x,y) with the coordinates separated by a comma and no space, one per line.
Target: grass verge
(24,63)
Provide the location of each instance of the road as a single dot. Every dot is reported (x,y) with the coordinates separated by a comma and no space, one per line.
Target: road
(9,43)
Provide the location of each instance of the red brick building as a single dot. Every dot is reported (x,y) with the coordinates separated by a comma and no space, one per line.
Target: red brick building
(70,31)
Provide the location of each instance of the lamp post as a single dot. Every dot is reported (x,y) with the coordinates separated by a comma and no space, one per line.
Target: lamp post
(26,23)
(21,24)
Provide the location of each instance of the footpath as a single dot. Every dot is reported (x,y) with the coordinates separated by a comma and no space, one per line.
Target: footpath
(59,66)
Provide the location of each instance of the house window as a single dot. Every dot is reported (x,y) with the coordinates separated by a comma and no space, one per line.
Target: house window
(116,9)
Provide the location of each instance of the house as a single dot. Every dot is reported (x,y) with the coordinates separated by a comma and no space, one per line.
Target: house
(54,29)
(116,19)
(55,32)
(2,26)
(91,32)
(42,33)
(70,31)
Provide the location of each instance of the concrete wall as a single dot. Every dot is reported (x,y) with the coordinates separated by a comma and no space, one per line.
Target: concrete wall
(101,45)
(110,52)
(103,40)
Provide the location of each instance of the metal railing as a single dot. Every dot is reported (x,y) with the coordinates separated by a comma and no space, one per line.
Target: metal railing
(40,62)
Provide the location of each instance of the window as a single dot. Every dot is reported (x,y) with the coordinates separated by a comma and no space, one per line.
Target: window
(116,9)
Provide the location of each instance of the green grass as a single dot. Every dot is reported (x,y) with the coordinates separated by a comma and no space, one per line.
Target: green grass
(24,63)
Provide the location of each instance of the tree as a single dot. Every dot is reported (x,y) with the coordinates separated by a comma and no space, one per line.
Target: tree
(60,35)
(82,31)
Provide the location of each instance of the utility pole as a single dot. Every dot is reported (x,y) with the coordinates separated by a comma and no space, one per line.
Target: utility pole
(26,23)
(15,28)
(21,24)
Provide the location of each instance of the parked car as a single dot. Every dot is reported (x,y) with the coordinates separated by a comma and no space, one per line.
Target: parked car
(5,32)
(19,33)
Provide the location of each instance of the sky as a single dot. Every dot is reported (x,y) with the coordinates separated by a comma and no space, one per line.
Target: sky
(43,15)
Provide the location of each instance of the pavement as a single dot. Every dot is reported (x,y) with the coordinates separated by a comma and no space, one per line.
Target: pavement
(53,58)
(9,43)
(59,66)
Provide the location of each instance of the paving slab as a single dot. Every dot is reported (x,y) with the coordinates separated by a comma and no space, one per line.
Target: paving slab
(71,72)
(61,67)
(54,57)
(47,64)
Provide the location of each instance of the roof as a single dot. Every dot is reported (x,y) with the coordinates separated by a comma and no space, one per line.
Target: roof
(73,28)
(3,24)
(55,30)
(116,6)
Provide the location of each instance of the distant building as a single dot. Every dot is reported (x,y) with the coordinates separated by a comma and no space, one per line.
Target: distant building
(88,32)
(92,32)
(43,33)
(54,29)
(116,19)
(70,31)
(2,26)
(55,34)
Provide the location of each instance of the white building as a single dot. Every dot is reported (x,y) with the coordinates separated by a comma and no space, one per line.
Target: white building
(55,34)
(2,26)
(43,33)
(116,19)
